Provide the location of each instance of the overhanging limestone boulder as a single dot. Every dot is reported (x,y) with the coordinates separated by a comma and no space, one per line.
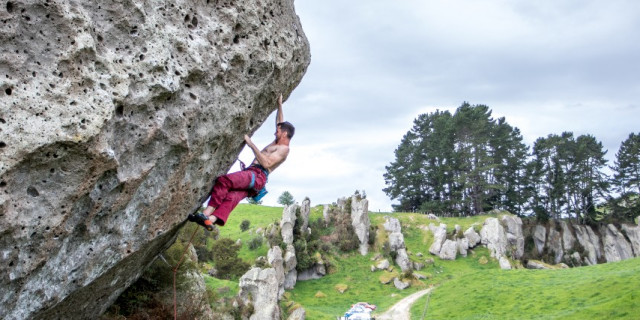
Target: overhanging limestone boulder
(116,117)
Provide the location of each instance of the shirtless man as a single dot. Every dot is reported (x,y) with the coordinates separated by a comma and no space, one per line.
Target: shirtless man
(230,189)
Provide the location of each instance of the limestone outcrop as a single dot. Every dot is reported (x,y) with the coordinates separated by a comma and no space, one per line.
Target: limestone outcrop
(288,222)
(396,243)
(439,236)
(360,221)
(616,247)
(259,287)
(305,210)
(515,237)
(290,272)
(559,243)
(115,118)
(494,237)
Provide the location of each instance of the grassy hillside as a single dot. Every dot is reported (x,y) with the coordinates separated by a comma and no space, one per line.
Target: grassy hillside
(606,291)
(467,288)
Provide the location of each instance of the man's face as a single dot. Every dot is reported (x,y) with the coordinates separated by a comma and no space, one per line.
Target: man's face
(279,133)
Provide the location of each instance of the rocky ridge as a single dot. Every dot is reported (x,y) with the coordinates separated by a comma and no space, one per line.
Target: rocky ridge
(560,242)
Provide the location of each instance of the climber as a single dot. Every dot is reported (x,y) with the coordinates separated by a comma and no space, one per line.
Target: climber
(231,188)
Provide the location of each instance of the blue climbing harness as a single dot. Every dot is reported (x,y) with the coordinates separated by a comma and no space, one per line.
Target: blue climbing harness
(259,193)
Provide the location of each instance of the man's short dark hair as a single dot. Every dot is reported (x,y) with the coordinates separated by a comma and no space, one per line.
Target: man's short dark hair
(288,128)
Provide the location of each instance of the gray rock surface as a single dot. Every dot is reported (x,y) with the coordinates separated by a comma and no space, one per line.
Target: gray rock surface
(260,288)
(439,236)
(288,222)
(515,237)
(616,247)
(403,261)
(116,118)
(396,241)
(274,257)
(383,265)
(504,263)
(305,210)
(493,236)
(290,263)
(392,225)
(568,240)
(535,264)
(540,237)
(449,250)
(554,244)
(463,245)
(590,242)
(360,222)
(298,314)
(400,285)
(473,238)
(633,233)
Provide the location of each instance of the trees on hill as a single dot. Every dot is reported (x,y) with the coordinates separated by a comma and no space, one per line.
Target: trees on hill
(468,162)
(463,164)
(567,176)
(626,179)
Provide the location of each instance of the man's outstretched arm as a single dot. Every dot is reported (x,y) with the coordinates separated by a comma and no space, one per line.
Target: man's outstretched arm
(279,115)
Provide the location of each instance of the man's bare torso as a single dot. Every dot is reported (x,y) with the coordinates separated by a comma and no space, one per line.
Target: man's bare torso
(276,152)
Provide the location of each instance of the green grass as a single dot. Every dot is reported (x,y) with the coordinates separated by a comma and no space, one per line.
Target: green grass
(463,288)
(260,217)
(363,285)
(606,291)
(234,286)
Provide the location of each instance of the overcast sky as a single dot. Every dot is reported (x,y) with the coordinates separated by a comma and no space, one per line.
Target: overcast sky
(546,66)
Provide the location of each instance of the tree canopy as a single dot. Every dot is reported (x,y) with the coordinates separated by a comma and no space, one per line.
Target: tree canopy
(469,162)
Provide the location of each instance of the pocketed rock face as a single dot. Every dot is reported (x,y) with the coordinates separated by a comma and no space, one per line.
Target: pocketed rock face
(115,119)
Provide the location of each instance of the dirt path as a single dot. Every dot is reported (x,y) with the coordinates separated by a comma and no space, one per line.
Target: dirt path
(401,310)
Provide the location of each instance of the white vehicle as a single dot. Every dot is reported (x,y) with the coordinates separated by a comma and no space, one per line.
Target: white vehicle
(359,311)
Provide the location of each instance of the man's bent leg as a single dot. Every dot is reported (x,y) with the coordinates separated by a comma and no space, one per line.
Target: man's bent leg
(225,183)
(223,211)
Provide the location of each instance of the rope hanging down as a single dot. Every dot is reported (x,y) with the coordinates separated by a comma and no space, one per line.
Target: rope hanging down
(175,271)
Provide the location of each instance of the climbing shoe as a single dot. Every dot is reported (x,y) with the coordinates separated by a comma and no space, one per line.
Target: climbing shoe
(202,220)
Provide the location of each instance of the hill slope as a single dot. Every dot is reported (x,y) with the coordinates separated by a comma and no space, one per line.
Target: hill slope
(467,288)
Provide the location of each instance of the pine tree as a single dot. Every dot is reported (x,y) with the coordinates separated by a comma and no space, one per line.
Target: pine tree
(626,180)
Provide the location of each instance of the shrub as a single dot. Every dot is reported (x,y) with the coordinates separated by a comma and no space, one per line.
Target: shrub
(244,226)
(372,235)
(255,243)
(302,255)
(225,257)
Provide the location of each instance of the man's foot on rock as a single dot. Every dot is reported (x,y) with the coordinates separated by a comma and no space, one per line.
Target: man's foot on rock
(202,220)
